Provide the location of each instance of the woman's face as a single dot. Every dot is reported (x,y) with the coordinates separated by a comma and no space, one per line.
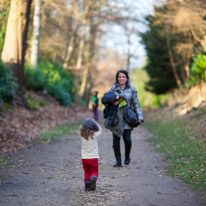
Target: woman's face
(122,79)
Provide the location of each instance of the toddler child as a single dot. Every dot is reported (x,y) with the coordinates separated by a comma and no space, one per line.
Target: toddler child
(89,131)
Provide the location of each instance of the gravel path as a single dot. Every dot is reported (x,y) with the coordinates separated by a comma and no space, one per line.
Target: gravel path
(52,174)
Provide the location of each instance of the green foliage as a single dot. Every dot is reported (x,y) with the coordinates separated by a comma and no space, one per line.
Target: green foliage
(187,156)
(59,131)
(8,106)
(158,64)
(51,78)
(7,84)
(156,100)
(34,78)
(198,69)
(146,98)
(3,20)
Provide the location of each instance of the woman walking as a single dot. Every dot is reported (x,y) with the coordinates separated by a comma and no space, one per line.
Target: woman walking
(126,93)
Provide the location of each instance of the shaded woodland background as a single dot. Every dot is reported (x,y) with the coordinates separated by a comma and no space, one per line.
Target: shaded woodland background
(54,49)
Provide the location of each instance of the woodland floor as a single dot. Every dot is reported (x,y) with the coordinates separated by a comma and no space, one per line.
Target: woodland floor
(18,125)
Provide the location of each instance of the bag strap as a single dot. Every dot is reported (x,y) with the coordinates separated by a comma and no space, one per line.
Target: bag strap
(128,103)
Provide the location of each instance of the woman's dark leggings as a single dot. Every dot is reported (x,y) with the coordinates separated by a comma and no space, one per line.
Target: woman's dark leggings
(127,143)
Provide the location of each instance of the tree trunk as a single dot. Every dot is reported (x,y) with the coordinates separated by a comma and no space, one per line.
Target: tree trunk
(84,81)
(187,67)
(36,33)
(15,40)
(128,52)
(88,89)
(172,62)
(81,46)
(71,45)
(79,62)
(88,70)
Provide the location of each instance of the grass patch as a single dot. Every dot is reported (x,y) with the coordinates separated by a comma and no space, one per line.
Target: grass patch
(33,103)
(4,176)
(8,106)
(4,161)
(187,155)
(55,132)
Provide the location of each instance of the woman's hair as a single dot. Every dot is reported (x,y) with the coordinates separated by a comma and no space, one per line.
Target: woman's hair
(124,72)
(85,132)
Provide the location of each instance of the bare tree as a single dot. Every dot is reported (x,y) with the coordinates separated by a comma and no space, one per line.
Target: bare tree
(184,19)
(86,78)
(70,34)
(73,33)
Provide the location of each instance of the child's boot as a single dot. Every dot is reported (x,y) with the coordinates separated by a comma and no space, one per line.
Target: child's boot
(87,186)
(93,183)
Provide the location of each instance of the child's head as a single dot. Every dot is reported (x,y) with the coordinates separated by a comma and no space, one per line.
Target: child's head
(88,128)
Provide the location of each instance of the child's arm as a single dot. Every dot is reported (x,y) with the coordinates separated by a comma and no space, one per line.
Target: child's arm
(98,132)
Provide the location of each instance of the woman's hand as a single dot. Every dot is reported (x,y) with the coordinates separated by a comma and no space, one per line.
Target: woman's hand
(116,103)
(140,121)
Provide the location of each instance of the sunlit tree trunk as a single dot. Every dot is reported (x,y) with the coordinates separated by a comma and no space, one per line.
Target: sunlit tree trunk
(14,48)
(36,33)
(80,59)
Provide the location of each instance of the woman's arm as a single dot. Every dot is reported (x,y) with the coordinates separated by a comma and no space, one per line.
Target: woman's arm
(136,105)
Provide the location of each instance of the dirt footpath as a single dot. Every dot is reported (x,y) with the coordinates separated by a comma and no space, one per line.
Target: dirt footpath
(52,175)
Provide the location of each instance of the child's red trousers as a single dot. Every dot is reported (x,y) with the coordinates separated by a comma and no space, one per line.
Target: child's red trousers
(91,168)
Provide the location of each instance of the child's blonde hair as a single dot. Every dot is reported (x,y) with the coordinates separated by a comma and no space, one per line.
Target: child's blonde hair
(85,132)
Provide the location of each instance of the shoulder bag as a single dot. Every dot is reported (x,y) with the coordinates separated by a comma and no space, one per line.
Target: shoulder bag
(130,116)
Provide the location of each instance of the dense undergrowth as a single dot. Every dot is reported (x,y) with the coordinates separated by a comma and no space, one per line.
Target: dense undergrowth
(7,84)
(49,78)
